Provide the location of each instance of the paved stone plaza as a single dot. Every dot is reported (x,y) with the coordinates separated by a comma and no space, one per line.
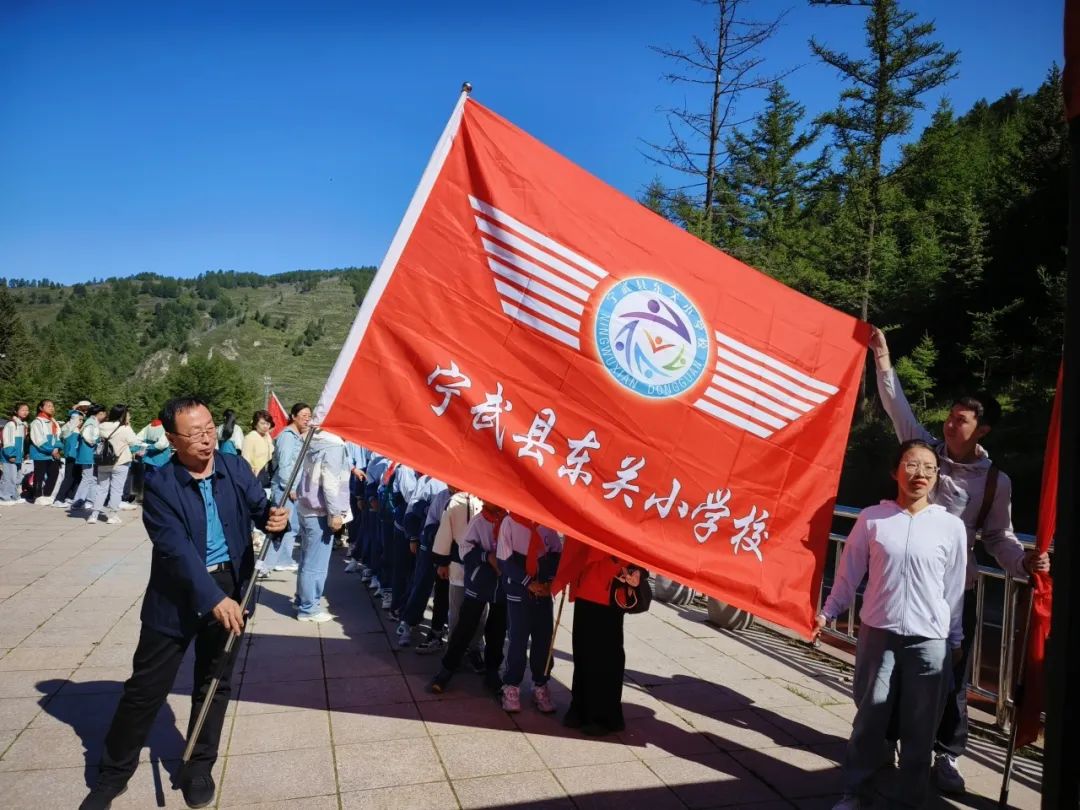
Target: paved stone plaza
(330,716)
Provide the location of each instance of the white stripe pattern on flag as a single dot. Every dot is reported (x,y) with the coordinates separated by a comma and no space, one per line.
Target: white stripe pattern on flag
(540,282)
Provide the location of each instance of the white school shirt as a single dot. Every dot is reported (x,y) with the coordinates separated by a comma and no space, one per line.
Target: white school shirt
(515,537)
(916,566)
(452,528)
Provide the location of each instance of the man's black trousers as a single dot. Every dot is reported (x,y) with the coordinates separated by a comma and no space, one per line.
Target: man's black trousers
(154,667)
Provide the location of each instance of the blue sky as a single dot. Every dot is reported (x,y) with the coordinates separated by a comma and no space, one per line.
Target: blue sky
(270,136)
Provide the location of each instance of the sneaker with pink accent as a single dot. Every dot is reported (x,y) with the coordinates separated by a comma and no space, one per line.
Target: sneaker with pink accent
(511,699)
(542,699)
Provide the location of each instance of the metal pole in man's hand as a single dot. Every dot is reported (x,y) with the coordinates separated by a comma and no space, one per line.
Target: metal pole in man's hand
(245,600)
(554,632)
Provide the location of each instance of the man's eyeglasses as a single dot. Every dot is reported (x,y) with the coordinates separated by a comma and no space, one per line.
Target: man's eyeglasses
(913,467)
(206,433)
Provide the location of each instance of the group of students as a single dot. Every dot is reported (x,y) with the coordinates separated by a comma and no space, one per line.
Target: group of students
(82,464)
(487,573)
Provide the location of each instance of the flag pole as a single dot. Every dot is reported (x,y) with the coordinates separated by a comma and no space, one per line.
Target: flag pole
(554,632)
(1017,697)
(245,600)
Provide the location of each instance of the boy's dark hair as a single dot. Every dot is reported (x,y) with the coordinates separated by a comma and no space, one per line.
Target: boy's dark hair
(905,446)
(118,413)
(986,409)
(265,415)
(176,406)
(94,410)
(299,406)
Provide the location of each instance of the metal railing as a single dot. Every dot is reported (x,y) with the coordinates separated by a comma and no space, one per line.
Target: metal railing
(1001,617)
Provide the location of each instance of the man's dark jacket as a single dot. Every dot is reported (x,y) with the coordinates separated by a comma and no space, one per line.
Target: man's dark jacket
(181,593)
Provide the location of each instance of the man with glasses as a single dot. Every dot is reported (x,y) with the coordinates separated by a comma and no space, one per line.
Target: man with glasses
(971,487)
(199,510)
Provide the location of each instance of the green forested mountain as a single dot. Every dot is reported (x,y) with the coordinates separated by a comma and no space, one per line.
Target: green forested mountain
(139,340)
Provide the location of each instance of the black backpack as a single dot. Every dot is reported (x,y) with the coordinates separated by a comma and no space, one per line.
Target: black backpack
(104,454)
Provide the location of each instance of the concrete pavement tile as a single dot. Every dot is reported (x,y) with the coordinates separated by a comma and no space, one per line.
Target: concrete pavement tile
(630,784)
(329,802)
(663,735)
(742,729)
(394,721)
(12,635)
(277,696)
(32,683)
(283,647)
(716,667)
(277,776)
(364,664)
(44,657)
(63,637)
(111,655)
(256,733)
(152,786)
(388,763)
(807,725)
(564,750)
(349,692)
(695,695)
(464,716)
(33,790)
(362,645)
(302,668)
(96,680)
(16,713)
(486,753)
(711,780)
(677,645)
(796,772)
(537,790)
(38,748)
(428,796)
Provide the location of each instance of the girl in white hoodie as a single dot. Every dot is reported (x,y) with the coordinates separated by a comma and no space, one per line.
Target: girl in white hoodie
(117,432)
(914,555)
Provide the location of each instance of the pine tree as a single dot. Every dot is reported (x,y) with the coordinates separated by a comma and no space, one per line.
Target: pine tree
(883,90)
(769,184)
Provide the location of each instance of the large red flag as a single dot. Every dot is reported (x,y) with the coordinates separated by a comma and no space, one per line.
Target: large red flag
(538,338)
(278,412)
(1031,703)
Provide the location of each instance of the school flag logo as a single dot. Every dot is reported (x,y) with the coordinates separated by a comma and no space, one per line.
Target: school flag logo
(539,339)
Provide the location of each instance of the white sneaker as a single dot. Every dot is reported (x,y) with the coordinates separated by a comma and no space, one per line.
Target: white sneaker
(848,802)
(61,504)
(402,629)
(352,566)
(14,502)
(114,520)
(947,776)
(127,507)
(44,500)
(374,584)
(293,567)
(387,599)
(92,519)
(314,617)
(365,574)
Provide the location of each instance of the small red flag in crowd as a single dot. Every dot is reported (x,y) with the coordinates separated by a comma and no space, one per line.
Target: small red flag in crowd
(542,340)
(276,410)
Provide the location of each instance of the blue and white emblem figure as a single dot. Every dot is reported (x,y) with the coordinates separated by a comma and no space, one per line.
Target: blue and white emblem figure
(651,338)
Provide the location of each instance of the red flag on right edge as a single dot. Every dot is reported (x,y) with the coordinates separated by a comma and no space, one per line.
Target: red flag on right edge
(278,412)
(1031,703)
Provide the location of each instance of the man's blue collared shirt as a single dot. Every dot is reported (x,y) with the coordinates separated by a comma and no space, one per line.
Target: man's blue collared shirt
(217,550)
